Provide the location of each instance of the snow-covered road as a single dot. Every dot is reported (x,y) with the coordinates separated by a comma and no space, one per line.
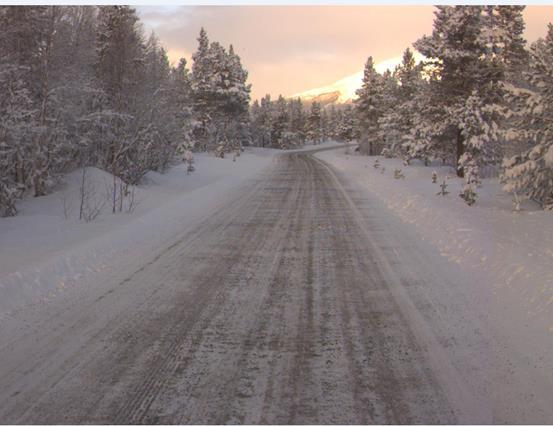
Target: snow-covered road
(299,300)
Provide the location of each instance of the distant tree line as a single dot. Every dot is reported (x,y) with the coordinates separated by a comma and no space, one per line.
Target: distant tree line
(481,100)
(291,123)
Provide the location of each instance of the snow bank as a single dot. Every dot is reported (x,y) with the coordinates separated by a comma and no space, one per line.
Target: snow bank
(506,254)
(43,252)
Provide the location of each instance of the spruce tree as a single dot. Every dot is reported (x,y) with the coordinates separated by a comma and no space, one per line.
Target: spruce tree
(369,108)
(314,131)
(530,173)
(455,48)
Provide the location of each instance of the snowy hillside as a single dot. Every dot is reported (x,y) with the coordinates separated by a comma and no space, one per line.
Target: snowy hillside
(343,90)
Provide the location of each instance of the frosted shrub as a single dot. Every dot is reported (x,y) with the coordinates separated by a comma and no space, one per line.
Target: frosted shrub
(443,188)
(468,194)
(188,159)
(398,174)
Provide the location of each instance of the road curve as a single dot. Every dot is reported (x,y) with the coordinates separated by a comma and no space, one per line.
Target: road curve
(280,307)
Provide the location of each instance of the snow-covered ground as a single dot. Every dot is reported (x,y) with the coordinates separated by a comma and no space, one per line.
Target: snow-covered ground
(43,252)
(505,256)
(513,250)
(45,249)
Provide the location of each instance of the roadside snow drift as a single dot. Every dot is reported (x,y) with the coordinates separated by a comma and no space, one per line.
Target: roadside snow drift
(46,249)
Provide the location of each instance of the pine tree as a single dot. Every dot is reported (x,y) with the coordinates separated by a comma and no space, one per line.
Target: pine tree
(297,121)
(369,108)
(347,124)
(201,90)
(314,131)
(266,119)
(388,129)
(280,125)
(181,96)
(479,133)
(404,116)
(456,48)
(221,97)
(530,173)
(238,100)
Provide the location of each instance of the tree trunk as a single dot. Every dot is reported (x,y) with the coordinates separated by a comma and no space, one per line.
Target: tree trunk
(459,153)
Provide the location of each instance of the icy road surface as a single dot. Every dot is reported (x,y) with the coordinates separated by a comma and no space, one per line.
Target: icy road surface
(299,301)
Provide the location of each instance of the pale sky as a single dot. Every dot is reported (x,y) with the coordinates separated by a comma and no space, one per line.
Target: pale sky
(290,49)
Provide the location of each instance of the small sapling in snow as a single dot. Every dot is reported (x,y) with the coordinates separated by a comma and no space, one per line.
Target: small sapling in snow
(398,174)
(434,177)
(516,202)
(347,151)
(376,164)
(468,194)
(443,188)
(188,159)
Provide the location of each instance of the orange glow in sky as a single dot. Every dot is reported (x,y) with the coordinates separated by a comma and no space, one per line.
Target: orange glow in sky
(291,49)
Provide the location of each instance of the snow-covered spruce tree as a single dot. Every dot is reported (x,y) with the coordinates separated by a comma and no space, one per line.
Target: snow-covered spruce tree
(333,118)
(480,132)
(507,58)
(431,134)
(255,123)
(506,47)
(280,125)
(264,122)
(530,173)
(220,97)
(401,118)
(201,91)
(389,133)
(237,99)
(347,124)
(162,111)
(455,51)
(473,50)
(314,132)
(296,116)
(180,97)
(368,107)
(325,126)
